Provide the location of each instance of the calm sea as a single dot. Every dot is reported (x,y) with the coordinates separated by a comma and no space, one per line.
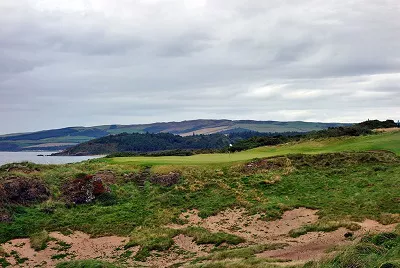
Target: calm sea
(11,157)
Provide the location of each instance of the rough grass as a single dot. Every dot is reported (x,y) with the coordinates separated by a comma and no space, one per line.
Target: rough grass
(243,263)
(160,239)
(203,236)
(240,253)
(86,264)
(324,227)
(39,240)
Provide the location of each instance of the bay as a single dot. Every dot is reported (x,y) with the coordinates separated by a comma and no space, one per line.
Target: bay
(12,157)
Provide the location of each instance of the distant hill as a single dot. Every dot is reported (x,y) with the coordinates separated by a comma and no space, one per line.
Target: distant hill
(59,139)
(164,143)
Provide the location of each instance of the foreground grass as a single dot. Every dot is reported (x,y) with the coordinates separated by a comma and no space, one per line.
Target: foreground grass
(384,141)
(341,186)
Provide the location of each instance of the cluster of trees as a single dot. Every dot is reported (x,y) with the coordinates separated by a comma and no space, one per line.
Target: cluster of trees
(374,124)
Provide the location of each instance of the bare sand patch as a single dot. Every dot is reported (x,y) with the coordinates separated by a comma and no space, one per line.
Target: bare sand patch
(311,246)
(80,246)
(314,245)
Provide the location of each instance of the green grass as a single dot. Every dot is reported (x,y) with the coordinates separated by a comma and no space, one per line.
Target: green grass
(86,264)
(385,141)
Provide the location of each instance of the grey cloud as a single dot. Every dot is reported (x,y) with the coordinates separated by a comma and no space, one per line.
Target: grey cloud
(95,62)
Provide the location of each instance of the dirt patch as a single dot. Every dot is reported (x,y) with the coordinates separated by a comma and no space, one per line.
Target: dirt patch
(76,246)
(23,191)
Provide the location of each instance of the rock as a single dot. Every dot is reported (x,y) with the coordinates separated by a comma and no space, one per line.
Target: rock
(23,191)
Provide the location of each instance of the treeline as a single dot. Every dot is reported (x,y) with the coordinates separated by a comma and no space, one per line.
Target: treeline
(137,143)
(363,128)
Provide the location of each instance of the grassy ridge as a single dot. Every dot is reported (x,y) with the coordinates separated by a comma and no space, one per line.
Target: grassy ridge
(363,185)
(386,141)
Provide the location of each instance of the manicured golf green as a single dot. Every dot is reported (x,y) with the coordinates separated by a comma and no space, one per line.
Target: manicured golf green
(385,141)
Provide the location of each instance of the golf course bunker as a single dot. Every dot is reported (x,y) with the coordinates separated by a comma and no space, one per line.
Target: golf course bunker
(77,246)
(304,248)
(251,227)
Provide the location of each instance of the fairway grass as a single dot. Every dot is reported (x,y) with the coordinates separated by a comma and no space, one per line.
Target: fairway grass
(385,141)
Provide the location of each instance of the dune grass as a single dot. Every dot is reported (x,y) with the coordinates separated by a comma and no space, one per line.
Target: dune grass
(39,240)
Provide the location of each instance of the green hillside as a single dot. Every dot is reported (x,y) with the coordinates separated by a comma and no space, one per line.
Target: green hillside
(384,141)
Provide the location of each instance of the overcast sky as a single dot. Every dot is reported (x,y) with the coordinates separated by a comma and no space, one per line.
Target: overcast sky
(91,62)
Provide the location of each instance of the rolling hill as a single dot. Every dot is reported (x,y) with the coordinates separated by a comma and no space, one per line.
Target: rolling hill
(58,139)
